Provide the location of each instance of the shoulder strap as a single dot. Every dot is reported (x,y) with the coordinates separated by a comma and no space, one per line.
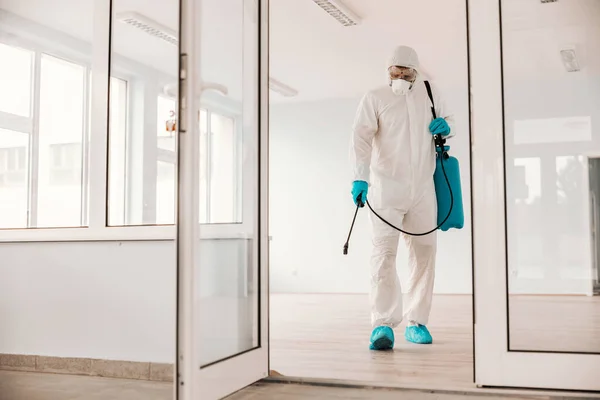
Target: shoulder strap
(428,87)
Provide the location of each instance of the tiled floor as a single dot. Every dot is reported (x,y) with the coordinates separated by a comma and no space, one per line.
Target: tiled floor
(36,386)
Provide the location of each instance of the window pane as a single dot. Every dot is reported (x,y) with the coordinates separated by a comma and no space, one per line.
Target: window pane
(150,63)
(165,193)
(166,123)
(62,108)
(14,177)
(117,147)
(223,185)
(15,80)
(203,201)
(551,109)
(227,264)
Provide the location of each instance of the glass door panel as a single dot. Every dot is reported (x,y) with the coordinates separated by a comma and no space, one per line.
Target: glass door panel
(222,187)
(535,101)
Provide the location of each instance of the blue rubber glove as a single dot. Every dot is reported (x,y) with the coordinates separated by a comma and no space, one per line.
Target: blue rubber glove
(439,126)
(360,188)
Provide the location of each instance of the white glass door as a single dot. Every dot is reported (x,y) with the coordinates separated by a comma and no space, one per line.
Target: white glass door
(222,215)
(535,87)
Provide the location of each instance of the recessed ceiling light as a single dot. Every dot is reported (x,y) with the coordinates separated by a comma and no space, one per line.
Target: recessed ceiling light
(148,25)
(339,11)
(282,88)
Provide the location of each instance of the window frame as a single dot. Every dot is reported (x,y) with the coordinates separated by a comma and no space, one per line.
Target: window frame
(30,126)
(21,33)
(25,34)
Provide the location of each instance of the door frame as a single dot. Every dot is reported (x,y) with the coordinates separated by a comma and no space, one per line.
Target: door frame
(495,364)
(233,373)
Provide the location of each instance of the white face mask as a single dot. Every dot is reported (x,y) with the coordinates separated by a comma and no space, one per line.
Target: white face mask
(400,86)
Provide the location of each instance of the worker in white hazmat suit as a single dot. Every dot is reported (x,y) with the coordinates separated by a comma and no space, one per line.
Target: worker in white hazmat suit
(393,154)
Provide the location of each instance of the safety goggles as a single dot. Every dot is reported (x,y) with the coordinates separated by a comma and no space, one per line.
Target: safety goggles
(397,72)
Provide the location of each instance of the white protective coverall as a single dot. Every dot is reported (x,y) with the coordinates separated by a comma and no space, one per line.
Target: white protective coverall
(393,150)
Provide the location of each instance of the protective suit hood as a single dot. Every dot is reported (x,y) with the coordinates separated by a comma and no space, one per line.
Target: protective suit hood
(404,56)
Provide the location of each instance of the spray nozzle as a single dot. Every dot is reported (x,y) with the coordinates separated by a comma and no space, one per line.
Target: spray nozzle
(359,201)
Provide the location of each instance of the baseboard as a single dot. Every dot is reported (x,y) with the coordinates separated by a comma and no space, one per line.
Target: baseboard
(147,371)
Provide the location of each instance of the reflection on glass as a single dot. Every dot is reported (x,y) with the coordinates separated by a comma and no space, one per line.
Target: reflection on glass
(166,123)
(223,168)
(529,168)
(14,172)
(553,130)
(229,243)
(594,182)
(165,193)
(204,204)
(526,191)
(220,175)
(550,188)
(141,190)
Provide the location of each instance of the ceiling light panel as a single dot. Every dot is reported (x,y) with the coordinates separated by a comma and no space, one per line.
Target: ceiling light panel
(340,12)
(148,26)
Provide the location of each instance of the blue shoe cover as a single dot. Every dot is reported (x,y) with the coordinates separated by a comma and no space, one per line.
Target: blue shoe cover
(418,334)
(382,338)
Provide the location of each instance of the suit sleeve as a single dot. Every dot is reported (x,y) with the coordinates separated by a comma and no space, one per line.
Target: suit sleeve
(442,110)
(363,131)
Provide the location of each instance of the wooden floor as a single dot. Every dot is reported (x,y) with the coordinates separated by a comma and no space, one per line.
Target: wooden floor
(327,336)
(555,323)
(36,386)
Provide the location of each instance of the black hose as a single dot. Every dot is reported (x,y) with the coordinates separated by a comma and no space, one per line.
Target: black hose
(441,153)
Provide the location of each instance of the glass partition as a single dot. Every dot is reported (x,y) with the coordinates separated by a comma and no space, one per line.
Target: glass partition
(552,119)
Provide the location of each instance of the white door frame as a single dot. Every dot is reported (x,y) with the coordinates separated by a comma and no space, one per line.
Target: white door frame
(496,366)
(224,377)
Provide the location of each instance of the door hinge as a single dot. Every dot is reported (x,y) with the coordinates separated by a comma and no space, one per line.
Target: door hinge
(183,92)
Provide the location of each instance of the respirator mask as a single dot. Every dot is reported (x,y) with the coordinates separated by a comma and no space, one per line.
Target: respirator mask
(402,79)
(400,87)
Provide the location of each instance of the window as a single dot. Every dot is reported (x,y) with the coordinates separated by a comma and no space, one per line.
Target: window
(61,134)
(147,194)
(57,167)
(142,168)
(166,142)
(42,166)
(222,170)
(166,124)
(165,192)
(65,164)
(14,171)
(45,106)
(117,152)
(220,177)
(204,206)
(15,80)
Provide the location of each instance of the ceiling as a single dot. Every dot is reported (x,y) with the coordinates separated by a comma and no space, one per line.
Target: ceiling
(313,53)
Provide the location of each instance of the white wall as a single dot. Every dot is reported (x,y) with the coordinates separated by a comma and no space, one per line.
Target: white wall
(311,208)
(107,300)
(117,300)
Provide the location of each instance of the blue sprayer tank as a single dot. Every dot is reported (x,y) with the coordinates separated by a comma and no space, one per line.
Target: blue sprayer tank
(442,193)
